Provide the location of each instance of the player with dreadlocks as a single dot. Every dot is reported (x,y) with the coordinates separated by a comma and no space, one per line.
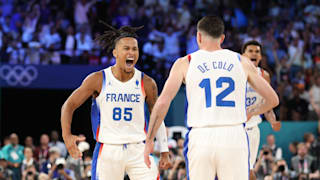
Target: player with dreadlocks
(118,121)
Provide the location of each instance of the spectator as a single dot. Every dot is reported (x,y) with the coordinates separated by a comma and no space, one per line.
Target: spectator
(81,10)
(314,94)
(295,56)
(171,44)
(297,107)
(28,160)
(34,51)
(275,150)
(13,153)
(28,142)
(84,42)
(316,58)
(55,142)
(30,173)
(30,23)
(178,172)
(42,151)
(301,164)
(5,172)
(43,176)
(52,40)
(59,171)
(293,148)
(54,154)
(69,45)
(280,170)
(264,164)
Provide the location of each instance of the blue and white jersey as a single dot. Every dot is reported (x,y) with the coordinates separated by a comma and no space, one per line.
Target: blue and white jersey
(253,101)
(118,114)
(216,88)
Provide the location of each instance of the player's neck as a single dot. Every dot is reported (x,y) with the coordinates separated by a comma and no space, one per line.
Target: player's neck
(210,47)
(120,74)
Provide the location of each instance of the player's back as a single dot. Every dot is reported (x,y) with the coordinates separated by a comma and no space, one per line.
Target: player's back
(216,88)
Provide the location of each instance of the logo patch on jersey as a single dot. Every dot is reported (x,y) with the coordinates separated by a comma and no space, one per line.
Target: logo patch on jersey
(137,84)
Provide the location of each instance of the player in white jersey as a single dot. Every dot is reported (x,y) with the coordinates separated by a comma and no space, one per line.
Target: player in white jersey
(215,78)
(118,122)
(253,51)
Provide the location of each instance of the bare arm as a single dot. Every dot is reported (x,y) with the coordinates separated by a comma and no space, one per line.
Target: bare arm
(261,86)
(91,86)
(151,98)
(270,116)
(170,89)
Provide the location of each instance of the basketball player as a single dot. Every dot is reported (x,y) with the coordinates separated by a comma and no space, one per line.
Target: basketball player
(118,122)
(215,78)
(253,51)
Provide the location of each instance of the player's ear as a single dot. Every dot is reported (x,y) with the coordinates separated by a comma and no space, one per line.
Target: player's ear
(199,38)
(114,52)
(222,38)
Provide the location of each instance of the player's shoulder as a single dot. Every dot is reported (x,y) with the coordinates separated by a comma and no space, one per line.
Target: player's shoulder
(183,61)
(265,74)
(97,75)
(149,85)
(94,79)
(148,81)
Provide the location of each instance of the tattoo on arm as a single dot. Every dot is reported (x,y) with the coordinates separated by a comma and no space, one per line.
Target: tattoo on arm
(153,96)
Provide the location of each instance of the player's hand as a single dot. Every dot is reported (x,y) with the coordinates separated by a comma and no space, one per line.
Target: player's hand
(276,126)
(165,162)
(71,144)
(249,115)
(148,149)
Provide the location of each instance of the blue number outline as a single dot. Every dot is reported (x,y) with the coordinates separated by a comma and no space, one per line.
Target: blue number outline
(205,83)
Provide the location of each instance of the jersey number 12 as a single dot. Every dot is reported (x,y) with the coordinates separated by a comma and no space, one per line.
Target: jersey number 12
(205,83)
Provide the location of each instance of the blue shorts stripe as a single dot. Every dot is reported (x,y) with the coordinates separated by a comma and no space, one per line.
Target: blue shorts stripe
(185,152)
(94,175)
(248,150)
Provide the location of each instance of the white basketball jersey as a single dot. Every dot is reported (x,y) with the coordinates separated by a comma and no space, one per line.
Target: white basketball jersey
(216,87)
(253,101)
(118,114)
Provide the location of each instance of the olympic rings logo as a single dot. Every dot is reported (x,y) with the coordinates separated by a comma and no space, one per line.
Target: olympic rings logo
(18,75)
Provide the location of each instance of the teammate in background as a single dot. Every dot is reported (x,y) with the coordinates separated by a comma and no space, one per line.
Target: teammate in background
(253,51)
(215,78)
(118,122)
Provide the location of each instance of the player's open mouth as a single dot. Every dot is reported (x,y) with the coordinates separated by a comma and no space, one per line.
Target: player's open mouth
(253,59)
(129,62)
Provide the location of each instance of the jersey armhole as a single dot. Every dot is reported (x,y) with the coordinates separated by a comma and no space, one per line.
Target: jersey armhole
(189,58)
(103,87)
(239,57)
(142,85)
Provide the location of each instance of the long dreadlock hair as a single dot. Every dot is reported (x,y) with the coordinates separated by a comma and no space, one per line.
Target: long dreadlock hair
(109,38)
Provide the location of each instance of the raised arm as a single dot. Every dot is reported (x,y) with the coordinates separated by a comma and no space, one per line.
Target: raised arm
(161,106)
(91,86)
(261,86)
(151,98)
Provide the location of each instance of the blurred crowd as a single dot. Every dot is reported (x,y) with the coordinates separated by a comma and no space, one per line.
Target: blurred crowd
(49,159)
(64,32)
(48,32)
